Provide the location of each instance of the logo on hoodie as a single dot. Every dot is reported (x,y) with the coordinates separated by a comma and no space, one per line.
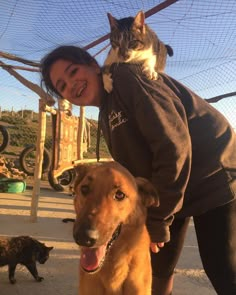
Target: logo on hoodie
(116,119)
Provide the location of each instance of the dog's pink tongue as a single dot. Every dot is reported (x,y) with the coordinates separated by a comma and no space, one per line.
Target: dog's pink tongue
(91,257)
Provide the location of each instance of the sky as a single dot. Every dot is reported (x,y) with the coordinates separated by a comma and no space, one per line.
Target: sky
(202,34)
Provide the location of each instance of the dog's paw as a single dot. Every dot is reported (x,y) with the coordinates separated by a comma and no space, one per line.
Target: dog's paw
(107,82)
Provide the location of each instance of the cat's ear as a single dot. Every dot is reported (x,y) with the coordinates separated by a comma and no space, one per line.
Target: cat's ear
(49,248)
(112,21)
(139,21)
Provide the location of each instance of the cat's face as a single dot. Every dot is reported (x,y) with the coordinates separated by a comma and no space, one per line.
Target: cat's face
(42,254)
(128,38)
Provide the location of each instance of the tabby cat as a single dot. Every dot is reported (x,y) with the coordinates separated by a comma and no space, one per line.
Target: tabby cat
(133,41)
(23,250)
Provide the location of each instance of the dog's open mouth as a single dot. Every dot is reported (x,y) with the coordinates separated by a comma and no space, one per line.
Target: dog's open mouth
(92,259)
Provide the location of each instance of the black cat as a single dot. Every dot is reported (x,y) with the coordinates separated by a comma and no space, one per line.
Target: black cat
(133,41)
(23,250)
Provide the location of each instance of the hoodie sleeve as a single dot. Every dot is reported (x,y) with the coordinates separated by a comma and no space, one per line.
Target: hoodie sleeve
(160,116)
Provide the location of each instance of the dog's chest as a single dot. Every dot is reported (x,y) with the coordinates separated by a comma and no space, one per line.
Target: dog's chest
(114,273)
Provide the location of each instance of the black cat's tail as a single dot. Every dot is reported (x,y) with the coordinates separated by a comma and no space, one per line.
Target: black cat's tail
(68,220)
(169,49)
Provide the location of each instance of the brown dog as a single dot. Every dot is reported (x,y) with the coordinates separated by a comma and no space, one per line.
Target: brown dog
(110,207)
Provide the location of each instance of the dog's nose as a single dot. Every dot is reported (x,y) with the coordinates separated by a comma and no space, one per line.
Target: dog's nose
(91,237)
(86,238)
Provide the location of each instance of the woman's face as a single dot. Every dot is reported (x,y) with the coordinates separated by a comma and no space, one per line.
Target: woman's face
(79,84)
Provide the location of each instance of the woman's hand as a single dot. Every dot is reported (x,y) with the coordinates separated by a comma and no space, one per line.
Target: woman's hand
(155,247)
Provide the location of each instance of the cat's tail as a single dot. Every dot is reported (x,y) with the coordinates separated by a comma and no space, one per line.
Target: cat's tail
(68,220)
(169,49)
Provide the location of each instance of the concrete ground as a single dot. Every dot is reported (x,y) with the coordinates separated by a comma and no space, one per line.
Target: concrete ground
(60,271)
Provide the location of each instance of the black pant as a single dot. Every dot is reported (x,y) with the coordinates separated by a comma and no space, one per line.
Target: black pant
(216,235)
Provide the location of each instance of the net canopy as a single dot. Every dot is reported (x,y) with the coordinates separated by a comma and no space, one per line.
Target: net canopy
(202,34)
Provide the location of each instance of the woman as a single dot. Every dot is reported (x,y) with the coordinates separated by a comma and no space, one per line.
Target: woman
(163,131)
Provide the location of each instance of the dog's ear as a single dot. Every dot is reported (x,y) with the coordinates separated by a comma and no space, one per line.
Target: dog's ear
(147,192)
(81,170)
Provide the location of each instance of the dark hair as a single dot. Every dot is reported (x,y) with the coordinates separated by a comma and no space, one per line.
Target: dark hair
(74,54)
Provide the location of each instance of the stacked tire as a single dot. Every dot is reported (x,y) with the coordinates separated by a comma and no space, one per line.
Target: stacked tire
(27,163)
(62,182)
(4,138)
(27,160)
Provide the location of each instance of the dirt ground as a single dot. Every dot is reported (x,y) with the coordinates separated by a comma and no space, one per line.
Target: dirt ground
(60,271)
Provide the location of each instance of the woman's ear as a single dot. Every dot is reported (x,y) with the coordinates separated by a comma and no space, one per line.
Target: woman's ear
(96,67)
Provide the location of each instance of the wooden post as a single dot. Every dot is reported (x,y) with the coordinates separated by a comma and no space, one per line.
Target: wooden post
(38,160)
(80,134)
(88,127)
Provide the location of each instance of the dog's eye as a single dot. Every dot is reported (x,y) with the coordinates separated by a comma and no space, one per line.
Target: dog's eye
(119,196)
(84,189)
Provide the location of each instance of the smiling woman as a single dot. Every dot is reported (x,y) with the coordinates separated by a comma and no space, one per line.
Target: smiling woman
(73,75)
(78,83)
